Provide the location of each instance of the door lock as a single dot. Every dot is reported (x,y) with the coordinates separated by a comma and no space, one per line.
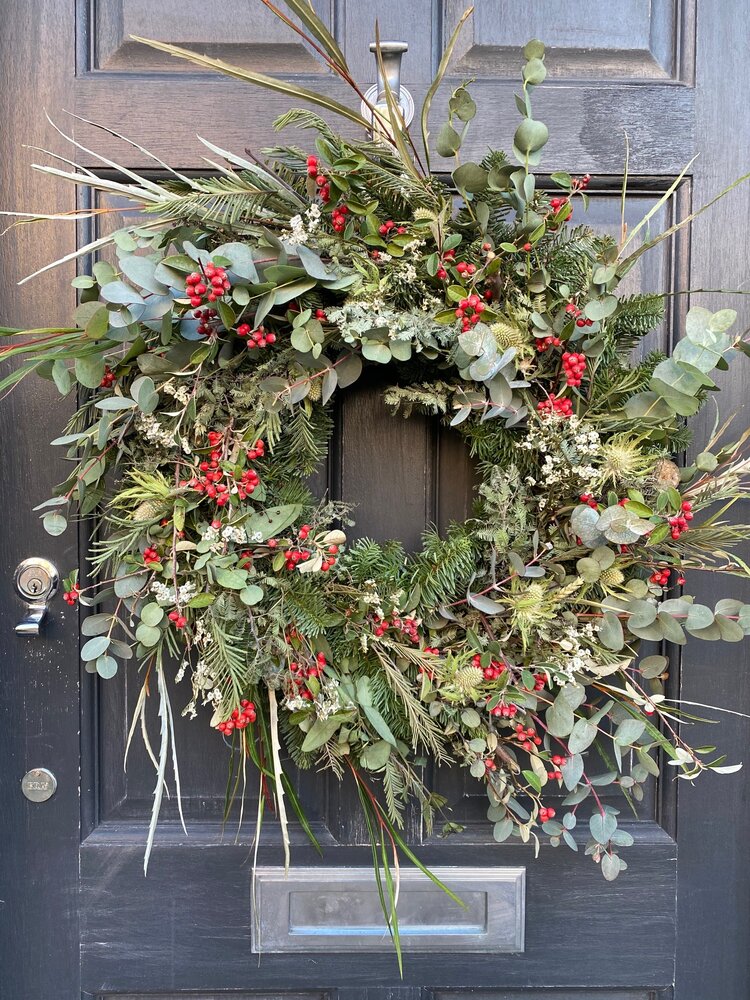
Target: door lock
(36,581)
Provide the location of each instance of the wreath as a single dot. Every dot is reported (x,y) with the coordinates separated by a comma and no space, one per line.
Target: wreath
(207,358)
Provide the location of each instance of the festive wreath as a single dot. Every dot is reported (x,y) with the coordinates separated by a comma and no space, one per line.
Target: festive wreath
(208,356)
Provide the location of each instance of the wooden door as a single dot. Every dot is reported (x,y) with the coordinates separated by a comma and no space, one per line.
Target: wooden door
(77,916)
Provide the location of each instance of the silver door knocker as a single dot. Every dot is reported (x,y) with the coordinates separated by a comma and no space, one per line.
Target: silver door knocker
(392,53)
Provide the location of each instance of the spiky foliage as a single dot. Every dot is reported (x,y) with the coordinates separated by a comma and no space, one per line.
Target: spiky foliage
(445,565)
(636,316)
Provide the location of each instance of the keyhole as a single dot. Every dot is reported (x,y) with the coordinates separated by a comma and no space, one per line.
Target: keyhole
(35,586)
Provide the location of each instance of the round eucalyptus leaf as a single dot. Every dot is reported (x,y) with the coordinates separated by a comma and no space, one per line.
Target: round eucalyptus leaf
(530,136)
(106,666)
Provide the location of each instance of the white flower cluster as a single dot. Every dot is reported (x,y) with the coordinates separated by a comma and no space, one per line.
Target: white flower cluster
(213,536)
(568,445)
(234,533)
(575,654)
(152,430)
(327,703)
(179,392)
(166,595)
(356,318)
(301,229)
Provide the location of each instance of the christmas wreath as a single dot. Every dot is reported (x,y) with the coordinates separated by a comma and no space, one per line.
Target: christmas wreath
(207,358)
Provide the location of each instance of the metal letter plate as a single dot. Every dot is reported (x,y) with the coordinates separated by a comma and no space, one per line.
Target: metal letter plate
(338,909)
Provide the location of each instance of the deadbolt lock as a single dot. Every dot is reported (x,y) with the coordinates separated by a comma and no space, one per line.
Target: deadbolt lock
(36,581)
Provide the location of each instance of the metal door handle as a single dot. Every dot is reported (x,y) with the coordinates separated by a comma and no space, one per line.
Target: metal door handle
(36,581)
(392,53)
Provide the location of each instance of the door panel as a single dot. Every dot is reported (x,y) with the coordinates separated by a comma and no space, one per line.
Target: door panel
(653,69)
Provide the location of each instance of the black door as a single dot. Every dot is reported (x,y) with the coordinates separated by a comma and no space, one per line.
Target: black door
(77,916)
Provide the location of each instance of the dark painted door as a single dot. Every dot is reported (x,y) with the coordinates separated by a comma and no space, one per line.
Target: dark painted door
(77,916)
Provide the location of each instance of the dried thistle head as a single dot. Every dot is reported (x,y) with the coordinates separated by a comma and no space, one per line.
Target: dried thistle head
(507,335)
(531,608)
(622,460)
(612,577)
(149,510)
(467,680)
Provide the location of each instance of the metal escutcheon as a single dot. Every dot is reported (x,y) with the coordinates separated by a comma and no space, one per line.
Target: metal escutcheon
(39,784)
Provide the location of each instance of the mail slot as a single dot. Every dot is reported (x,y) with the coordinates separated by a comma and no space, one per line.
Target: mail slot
(338,909)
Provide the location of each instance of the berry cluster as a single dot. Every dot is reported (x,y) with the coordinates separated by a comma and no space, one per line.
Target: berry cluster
(388,228)
(491,672)
(588,499)
(503,711)
(211,484)
(545,814)
(321,181)
(553,405)
(108,379)
(489,764)
(294,556)
(557,203)
(257,451)
(151,556)
(470,311)
(239,719)
(679,524)
(544,343)
(300,674)
(338,220)
(572,310)
(71,596)
(661,576)
(527,737)
(247,483)
(540,682)
(196,286)
(180,621)
(205,319)
(422,669)
(446,261)
(256,338)
(406,625)
(464,268)
(574,366)
(558,761)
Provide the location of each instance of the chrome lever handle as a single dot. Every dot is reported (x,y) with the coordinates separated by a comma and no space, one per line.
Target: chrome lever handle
(36,581)
(31,623)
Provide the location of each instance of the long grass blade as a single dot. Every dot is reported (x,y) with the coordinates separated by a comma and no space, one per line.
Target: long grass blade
(393,900)
(162,769)
(144,181)
(655,208)
(315,26)
(624,192)
(396,118)
(273,720)
(133,143)
(280,86)
(441,71)
(630,260)
(175,765)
